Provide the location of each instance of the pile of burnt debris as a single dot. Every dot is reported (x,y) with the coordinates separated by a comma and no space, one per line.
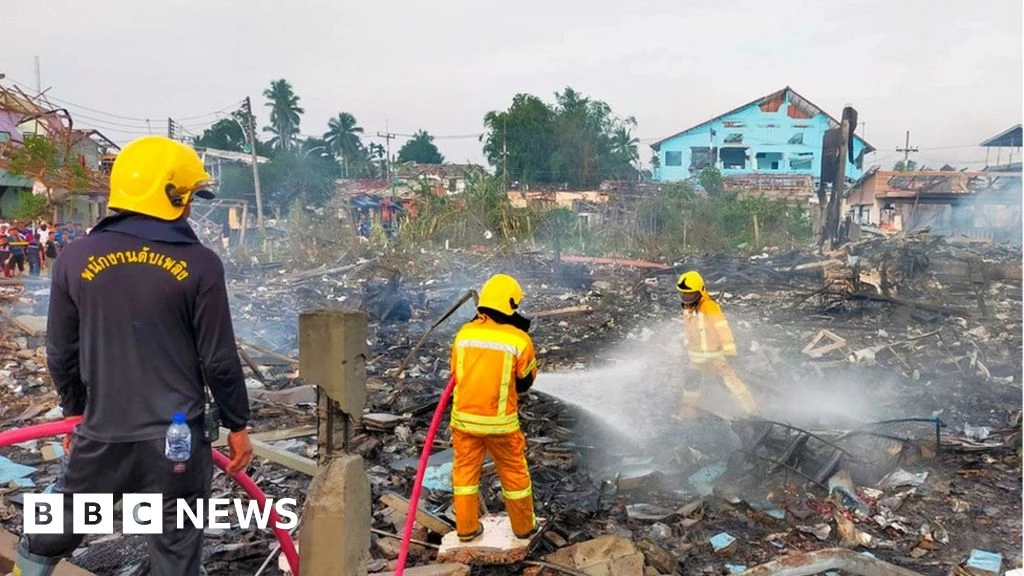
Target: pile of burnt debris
(889,373)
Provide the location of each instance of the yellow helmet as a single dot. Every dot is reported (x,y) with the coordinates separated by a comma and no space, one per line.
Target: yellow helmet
(690,282)
(502,293)
(157,176)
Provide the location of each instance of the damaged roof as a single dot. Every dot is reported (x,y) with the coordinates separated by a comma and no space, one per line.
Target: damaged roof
(1011,137)
(794,98)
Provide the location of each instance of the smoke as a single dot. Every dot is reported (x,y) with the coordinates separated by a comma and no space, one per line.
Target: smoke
(635,389)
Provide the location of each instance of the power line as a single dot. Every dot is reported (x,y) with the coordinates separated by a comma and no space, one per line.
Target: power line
(234,105)
(907,150)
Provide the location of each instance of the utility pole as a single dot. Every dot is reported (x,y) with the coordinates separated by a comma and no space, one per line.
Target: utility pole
(906,152)
(387,136)
(39,84)
(250,124)
(504,154)
(170,128)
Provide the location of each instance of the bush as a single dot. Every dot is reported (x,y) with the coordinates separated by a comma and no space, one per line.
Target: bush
(679,220)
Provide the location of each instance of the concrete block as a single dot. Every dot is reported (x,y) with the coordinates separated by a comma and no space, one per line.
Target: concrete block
(445,569)
(603,556)
(338,502)
(497,545)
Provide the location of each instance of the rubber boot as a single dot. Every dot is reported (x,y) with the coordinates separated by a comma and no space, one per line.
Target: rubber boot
(29,564)
(473,536)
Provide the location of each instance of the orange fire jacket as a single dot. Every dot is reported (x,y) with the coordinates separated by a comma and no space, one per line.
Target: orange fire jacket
(487,359)
(707,332)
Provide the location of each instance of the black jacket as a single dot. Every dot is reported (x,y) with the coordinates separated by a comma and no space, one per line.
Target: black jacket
(138,319)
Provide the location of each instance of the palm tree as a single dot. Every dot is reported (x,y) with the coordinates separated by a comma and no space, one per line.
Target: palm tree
(343,137)
(284,114)
(624,146)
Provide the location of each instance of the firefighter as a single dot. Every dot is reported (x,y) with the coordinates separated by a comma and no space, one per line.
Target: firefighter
(139,327)
(493,361)
(709,343)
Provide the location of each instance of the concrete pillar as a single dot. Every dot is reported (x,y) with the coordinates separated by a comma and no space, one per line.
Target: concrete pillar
(332,356)
(335,536)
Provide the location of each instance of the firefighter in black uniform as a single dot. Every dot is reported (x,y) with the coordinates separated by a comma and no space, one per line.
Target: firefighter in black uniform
(138,329)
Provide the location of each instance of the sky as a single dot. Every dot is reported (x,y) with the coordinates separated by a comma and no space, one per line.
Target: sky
(948,71)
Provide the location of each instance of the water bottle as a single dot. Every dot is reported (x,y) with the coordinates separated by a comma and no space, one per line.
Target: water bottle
(179,439)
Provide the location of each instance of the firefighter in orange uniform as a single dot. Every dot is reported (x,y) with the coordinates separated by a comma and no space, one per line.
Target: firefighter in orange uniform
(493,361)
(709,343)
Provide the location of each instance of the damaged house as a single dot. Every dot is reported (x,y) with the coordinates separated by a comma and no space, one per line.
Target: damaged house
(772,144)
(982,205)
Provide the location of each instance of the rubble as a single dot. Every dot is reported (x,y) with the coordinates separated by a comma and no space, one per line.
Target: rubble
(934,349)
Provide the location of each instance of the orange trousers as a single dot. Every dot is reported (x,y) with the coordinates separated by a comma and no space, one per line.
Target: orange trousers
(722,371)
(509,454)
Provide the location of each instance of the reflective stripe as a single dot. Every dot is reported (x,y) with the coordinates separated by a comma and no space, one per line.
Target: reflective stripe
(495,337)
(703,331)
(499,346)
(465,490)
(517,494)
(484,429)
(506,383)
(529,368)
(478,419)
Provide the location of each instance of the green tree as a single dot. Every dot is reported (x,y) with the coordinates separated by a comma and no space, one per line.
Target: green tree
(306,174)
(224,134)
(285,114)
(374,161)
(577,140)
(421,149)
(909,166)
(711,180)
(343,135)
(526,132)
(625,154)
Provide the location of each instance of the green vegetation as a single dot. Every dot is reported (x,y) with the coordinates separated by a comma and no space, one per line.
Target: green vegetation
(576,140)
(680,220)
(420,149)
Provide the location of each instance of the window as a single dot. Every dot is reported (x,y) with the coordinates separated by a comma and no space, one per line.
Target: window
(797,138)
(734,158)
(734,138)
(801,161)
(864,217)
(701,157)
(452,184)
(769,160)
(673,158)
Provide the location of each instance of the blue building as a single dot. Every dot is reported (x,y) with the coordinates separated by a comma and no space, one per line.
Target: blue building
(778,134)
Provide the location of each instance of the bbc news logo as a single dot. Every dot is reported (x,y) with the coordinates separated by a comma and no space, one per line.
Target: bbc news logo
(143,513)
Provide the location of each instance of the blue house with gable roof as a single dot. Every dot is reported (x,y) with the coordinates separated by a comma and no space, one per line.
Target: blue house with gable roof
(778,134)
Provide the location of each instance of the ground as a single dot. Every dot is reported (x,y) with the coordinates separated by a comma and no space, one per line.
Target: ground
(930,342)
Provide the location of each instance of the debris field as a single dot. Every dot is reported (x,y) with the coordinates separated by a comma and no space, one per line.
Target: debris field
(889,374)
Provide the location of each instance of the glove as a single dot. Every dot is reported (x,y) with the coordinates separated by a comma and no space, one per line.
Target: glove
(66,442)
(241,450)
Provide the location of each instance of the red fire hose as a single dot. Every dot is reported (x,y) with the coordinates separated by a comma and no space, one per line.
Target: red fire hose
(36,432)
(414,500)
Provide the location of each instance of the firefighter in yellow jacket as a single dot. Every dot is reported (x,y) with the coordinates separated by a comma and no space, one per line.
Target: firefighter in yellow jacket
(709,343)
(493,361)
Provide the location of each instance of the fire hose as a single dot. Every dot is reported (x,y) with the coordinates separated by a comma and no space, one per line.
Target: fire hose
(417,486)
(66,426)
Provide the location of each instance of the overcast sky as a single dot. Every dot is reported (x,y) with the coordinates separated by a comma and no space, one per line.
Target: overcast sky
(949,71)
